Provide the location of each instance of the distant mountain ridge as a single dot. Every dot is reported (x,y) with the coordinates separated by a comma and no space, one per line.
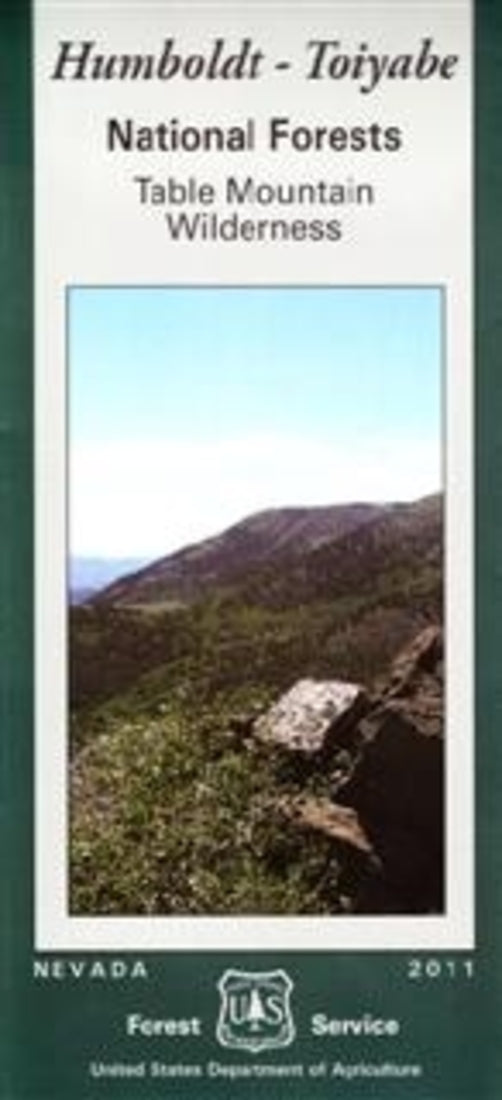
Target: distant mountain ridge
(289,553)
(89,574)
(400,548)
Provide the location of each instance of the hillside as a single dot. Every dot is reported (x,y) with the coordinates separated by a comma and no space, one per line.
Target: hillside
(168,665)
(351,600)
(264,538)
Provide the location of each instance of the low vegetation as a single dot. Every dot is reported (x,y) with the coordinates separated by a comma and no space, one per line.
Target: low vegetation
(174,809)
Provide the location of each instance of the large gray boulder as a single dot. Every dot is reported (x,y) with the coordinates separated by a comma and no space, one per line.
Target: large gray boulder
(308,718)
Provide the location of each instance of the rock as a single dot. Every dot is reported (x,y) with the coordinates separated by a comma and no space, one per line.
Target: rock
(381,757)
(338,823)
(415,685)
(423,655)
(397,782)
(308,718)
(351,862)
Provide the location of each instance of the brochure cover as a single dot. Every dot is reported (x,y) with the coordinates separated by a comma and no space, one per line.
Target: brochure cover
(249,556)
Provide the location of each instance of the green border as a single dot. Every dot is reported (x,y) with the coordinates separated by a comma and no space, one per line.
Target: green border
(488,431)
(16,513)
(51,1030)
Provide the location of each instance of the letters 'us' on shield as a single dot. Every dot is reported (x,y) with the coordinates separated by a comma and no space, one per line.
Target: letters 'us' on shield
(255,1011)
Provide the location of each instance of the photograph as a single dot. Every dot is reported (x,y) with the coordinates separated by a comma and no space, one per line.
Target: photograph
(255,600)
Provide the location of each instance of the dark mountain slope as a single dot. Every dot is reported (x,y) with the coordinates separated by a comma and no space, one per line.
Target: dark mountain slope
(265,544)
(348,605)
(398,546)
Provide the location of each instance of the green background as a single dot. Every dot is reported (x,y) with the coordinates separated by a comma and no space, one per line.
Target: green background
(51,1030)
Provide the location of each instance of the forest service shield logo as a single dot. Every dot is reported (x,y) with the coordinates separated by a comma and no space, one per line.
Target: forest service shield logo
(255,1011)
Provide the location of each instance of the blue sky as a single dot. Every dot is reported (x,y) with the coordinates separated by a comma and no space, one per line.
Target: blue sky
(190,408)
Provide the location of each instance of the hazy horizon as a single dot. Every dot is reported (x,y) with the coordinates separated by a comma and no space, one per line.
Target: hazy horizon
(191,409)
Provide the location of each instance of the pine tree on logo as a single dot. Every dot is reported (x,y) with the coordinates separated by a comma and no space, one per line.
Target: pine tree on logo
(256,1014)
